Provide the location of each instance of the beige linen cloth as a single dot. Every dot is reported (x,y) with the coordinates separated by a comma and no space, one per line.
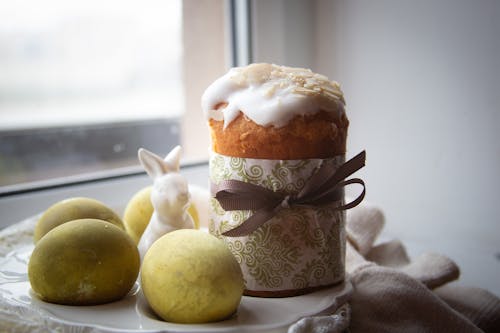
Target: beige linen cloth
(394,294)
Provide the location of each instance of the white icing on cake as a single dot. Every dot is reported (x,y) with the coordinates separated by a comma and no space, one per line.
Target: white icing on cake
(271,94)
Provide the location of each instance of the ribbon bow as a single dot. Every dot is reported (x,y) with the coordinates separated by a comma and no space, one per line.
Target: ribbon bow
(325,186)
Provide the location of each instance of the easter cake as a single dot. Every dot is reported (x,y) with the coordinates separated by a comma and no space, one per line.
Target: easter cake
(276,133)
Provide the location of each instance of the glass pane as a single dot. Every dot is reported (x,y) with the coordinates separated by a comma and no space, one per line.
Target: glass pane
(70,67)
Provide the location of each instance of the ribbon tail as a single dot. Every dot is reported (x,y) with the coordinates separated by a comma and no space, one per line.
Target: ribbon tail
(317,180)
(252,223)
(345,170)
(327,178)
(239,195)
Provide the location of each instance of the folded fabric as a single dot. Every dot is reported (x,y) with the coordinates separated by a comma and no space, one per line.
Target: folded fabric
(337,322)
(393,293)
(480,306)
(388,300)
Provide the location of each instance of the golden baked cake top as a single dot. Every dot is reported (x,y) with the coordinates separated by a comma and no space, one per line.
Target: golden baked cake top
(270,94)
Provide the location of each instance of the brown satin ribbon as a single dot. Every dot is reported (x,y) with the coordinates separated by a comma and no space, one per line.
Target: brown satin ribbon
(325,186)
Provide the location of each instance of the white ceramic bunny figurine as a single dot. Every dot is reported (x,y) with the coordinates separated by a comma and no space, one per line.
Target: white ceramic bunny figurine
(169,196)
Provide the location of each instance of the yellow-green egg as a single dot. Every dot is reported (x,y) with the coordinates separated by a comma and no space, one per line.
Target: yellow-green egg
(190,276)
(83,262)
(74,209)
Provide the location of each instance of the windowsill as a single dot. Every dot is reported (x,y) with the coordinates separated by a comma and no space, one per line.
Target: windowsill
(112,191)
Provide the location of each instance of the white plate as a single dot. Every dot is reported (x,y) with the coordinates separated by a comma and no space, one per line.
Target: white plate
(132,313)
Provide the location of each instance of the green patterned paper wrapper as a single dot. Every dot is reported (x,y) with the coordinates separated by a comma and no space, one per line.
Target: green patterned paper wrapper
(299,249)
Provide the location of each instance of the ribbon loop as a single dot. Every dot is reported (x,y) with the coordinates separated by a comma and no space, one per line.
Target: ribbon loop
(323,187)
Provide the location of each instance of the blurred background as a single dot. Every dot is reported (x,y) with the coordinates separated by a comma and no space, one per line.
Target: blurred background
(82,86)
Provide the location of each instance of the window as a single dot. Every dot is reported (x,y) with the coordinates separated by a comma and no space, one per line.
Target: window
(89,61)
(84,84)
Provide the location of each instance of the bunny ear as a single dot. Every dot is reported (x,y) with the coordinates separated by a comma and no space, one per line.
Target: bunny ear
(173,159)
(152,163)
